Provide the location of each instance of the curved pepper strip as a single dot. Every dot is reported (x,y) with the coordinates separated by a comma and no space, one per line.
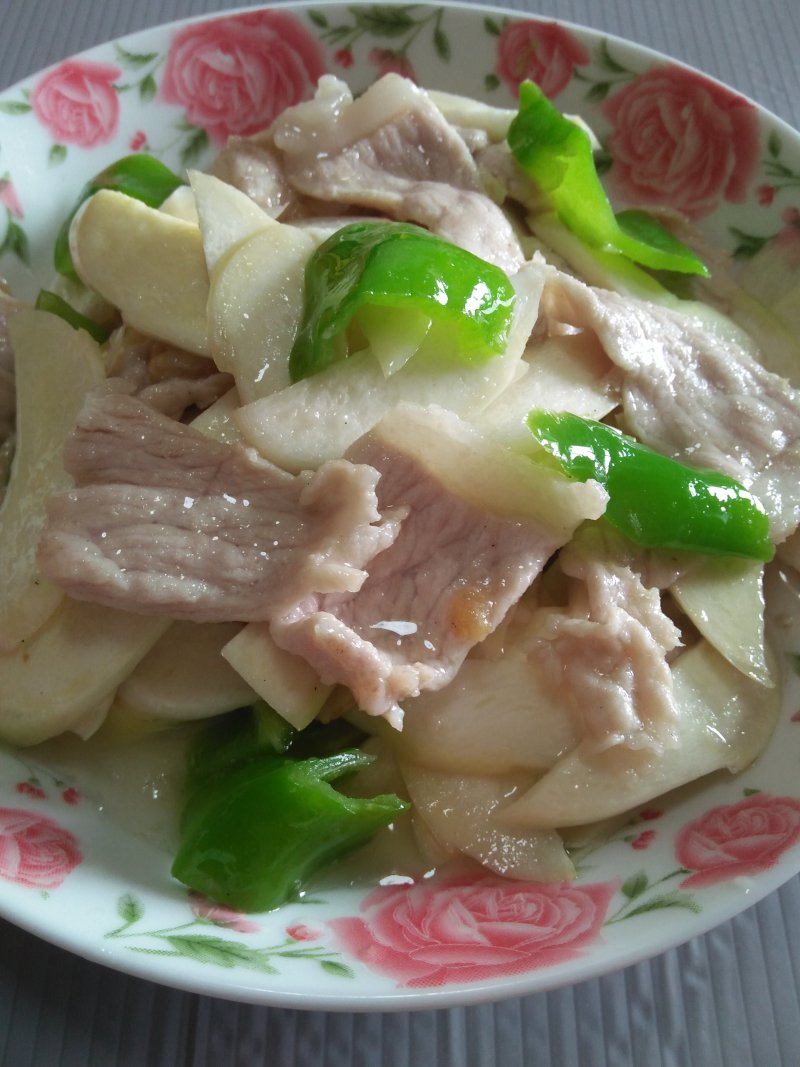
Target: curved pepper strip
(258,821)
(251,838)
(140,176)
(57,305)
(397,265)
(557,154)
(656,501)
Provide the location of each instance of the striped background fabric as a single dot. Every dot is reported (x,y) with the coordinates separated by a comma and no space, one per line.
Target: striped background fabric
(730,998)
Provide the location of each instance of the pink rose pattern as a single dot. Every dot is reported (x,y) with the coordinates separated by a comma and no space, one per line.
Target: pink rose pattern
(35,851)
(78,103)
(465,930)
(9,198)
(543,52)
(675,137)
(388,62)
(678,138)
(738,839)
(234,75)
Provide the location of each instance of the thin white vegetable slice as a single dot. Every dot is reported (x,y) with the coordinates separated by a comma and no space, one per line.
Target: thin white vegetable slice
(217,420)
(473,114)
(286,682)
(184,676)
(181,204)
(570,373)
(147,263)
(726,719)
(254,307)
(319,417)
(55,367)
(464,812)
(225,215)
(61,676)
(493,718)
(724,598)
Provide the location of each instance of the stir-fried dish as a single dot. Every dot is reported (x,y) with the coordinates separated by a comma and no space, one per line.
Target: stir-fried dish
(388,447)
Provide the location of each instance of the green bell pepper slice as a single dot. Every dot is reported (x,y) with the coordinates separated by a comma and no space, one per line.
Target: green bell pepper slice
(141,176)
(395,265)
(261,816)
(656,501)
(557,154)
(250,838)
(57,305)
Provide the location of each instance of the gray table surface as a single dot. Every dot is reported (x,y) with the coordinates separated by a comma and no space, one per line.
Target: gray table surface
(728,999)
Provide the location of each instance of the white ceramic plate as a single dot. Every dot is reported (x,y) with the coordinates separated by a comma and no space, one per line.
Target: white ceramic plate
(70,869)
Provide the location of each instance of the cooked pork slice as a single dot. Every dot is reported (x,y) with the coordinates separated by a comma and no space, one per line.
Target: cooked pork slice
(606,653)
(256,169)
(481,524)
(175,396)
(692,391)
(392,151)
(167,378)
(165,520)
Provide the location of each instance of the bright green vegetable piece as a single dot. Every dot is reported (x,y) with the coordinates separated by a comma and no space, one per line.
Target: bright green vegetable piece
(261,816)
(257,733)
(654,500)
(557,154)
(57,305)
(250,838)
(231,740)
(396,265)
(141,176)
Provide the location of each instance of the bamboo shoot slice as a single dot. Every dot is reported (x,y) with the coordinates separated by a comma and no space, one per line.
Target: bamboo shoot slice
(147,263)
(254,307)
(225,215)
(285,681)
(463,812)
(54,681)
(724,598)
(184,676)
(56,366)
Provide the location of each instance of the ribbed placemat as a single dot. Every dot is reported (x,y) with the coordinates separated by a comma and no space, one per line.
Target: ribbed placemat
(728,999)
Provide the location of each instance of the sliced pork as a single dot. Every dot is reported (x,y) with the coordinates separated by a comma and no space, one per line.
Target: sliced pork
(481,524)
(256,169)
(163,520)
(392,151)
(606,652)
(693,392)
(168,379)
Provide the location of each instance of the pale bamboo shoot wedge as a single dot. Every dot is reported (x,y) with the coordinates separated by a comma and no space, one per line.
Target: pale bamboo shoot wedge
(464,812)
(254,307)
(724,598)
(60,677)
(286,682)
(55,368)
(570,373)
(495,717)
(225,215)
(147,263)
(184,676)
